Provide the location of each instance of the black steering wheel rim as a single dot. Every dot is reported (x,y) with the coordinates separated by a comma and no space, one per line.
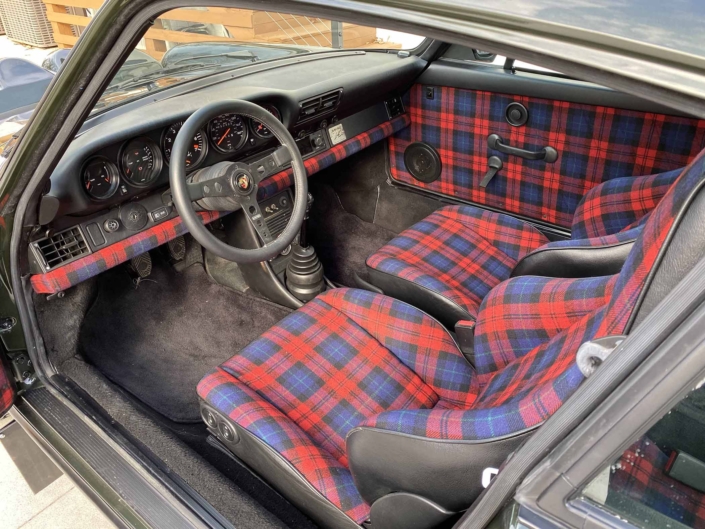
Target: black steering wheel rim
(182,199)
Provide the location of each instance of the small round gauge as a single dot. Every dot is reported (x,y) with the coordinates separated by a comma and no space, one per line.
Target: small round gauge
(227,133)
(140,162)
(259,129)
(196,152)
(100,178)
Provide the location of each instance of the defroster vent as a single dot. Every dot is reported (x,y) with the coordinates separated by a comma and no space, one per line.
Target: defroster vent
(61,248)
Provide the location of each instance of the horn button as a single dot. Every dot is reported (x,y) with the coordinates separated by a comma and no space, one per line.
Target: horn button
(242,182)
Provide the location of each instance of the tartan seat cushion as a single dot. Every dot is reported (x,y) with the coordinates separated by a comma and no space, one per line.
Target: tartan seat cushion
(457,254)
(447,263)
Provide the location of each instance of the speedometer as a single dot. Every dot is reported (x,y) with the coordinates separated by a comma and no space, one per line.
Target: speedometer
(259,129)
(140,162)
(227,133)
(197,148)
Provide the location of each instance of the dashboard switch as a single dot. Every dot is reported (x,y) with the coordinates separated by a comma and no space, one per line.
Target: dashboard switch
(160,214)
(111,225)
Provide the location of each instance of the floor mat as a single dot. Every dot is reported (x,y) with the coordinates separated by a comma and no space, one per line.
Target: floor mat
(342,240)
(159,339)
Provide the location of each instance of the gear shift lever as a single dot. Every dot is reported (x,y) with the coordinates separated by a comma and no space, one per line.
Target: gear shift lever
(304,273)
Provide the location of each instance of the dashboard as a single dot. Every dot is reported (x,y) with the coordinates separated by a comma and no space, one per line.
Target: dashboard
(113,180)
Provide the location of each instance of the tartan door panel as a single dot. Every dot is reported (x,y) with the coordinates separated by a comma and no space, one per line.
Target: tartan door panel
(594,144)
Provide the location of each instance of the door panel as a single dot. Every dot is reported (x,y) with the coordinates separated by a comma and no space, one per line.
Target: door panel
(594,143)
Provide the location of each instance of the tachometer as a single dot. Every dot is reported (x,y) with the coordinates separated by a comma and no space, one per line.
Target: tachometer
(140,162)
(100,178)
(259,129)
(197,148)
(227,133)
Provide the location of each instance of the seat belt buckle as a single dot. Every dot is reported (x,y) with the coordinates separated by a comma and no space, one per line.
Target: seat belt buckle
(591,354)
(487,475)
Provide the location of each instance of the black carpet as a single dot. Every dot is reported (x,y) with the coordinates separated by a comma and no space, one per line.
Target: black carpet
(342,240)
(159,339)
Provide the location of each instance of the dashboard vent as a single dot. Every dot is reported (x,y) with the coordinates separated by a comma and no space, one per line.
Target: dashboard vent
(319,105)
(395,107)
(61,248)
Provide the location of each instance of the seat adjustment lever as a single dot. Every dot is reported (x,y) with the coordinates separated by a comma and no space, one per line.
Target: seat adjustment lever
(495,164)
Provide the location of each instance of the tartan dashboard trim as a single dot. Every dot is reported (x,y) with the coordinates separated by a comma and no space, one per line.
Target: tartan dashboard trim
(274,184)
(595,144)
(91,265)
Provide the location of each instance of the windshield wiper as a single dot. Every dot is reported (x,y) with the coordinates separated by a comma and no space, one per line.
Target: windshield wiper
(238,55)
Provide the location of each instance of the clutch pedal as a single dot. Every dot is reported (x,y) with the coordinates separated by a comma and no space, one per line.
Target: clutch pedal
(142,265)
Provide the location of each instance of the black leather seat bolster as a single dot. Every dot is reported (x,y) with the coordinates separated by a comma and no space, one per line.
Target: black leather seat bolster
(446,472)
(281,475)
(443,309)
(592,261)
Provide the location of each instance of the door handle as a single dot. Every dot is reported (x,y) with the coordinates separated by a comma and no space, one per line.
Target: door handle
(547,154)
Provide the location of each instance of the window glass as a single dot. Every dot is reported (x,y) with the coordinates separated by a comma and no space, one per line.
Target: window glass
(187,43)
(659,481)
(463,53)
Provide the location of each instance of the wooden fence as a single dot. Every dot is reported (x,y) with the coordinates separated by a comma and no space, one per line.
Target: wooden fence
(69,17)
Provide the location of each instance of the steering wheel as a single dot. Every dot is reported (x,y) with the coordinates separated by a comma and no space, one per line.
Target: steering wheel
(228,186)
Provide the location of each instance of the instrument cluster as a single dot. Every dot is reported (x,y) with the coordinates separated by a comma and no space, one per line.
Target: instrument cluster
(140,160)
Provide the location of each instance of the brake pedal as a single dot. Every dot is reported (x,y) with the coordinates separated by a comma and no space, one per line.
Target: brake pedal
(177,248)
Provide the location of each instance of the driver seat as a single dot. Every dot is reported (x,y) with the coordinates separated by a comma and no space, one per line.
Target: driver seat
(361,409)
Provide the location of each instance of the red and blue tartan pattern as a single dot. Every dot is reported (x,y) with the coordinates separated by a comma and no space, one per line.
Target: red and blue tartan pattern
(650,245)
(91,265)
(596,242)
(459,252)
(525,312)
(253,413)
(619,203)
(595,144)
(639,474)
(520,396)
(274,184)
(7,392)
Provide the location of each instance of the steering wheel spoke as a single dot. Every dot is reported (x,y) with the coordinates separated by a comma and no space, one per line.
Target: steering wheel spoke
(254,215)
(270,164)
(216,187)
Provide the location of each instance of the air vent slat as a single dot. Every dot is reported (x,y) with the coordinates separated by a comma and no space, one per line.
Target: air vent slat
(277,224)
(319,105)
(61,248)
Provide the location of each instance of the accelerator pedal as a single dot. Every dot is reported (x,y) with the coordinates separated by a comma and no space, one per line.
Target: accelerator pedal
(177,248)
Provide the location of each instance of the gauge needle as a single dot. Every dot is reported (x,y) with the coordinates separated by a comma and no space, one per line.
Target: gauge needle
(223,136)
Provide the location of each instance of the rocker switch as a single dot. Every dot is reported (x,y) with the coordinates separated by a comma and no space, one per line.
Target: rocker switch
(495,164)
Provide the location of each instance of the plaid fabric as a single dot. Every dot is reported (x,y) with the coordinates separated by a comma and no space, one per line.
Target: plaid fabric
(253,413)
(460,252)
(91,265)
(639,475)
(595,242)
(649,246)
(614,205)
(522,395)
(524,312)
(348,354)
(285,179)
(595,144)
(7,392)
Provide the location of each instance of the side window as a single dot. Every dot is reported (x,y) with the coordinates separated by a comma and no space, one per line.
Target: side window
(659,481)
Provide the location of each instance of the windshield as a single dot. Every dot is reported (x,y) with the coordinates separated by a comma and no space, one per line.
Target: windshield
(188,43)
